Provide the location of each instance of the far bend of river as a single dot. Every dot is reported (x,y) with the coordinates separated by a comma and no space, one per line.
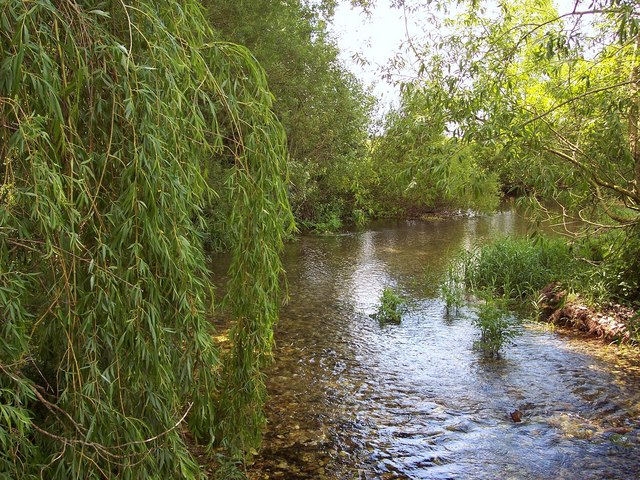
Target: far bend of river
(350,399)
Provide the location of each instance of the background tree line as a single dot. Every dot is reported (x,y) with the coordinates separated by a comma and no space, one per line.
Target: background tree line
(338,171)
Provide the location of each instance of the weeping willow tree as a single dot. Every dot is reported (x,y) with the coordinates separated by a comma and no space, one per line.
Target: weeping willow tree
(110,112)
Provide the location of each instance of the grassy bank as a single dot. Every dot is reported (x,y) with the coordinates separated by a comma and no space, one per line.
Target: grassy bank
(549,273)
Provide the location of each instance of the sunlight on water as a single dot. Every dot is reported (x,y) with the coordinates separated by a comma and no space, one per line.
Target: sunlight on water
(350,398)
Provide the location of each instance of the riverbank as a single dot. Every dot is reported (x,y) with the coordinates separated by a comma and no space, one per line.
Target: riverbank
(611,322)
(335,224)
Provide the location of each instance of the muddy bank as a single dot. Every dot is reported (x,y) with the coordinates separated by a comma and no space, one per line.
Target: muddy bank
(611,322)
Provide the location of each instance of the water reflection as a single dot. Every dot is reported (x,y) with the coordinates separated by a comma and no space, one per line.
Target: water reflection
(352,399)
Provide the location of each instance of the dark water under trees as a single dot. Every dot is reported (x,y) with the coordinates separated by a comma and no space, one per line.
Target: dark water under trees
(351,399)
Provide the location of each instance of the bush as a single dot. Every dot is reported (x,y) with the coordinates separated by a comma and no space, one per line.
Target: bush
(614,273)
(391,308)
(496,327)
(359,217)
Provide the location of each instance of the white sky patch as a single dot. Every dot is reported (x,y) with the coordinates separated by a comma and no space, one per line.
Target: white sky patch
(376,39)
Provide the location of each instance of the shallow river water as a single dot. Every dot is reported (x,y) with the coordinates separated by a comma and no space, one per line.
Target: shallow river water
(351,399)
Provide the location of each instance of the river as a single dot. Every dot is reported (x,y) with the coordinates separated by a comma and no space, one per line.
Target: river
(351,399)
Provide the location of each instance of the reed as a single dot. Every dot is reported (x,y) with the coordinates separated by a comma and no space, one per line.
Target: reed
(518,268)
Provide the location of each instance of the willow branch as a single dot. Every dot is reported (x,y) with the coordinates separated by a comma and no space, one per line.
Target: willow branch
(601,226)
(74,441)
(594,177)
(52,407)
(66,252)
(551,216)
(614,216)
(573,99)
(406,31)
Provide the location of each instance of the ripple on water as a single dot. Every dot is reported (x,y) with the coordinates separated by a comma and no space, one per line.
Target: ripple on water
(352,399)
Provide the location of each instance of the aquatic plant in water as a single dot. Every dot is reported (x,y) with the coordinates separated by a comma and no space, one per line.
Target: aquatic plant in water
(497,329)
(452,290)
(392,306)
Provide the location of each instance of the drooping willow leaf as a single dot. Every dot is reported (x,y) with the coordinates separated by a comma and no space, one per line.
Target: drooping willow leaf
(109,115)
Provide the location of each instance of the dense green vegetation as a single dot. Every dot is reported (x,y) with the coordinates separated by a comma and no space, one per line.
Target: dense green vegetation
(519,268)
(551,100)
(497,327)
(337,173)
(538,275)
(137,137)
(324,110)
(419,167)
(110,117)
(392,306)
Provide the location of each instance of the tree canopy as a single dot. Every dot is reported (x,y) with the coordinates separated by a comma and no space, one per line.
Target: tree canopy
(541,100)
(324,110)
(109,118)
(555,95)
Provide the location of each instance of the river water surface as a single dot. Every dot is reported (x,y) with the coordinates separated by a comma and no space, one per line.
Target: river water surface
(351,399)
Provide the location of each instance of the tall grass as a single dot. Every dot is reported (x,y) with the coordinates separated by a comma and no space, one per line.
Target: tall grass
(597,268)
(452,289)
(511,273)
(519,268)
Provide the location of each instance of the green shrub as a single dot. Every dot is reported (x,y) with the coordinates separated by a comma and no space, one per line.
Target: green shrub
(326,217)
(614,270)
(391,307)
(497,329)
(359,217)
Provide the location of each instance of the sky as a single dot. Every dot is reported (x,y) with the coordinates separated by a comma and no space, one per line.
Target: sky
(376,39)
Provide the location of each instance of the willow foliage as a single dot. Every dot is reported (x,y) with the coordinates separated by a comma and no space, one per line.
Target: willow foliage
(552,97)
(109,115)
(424,166)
